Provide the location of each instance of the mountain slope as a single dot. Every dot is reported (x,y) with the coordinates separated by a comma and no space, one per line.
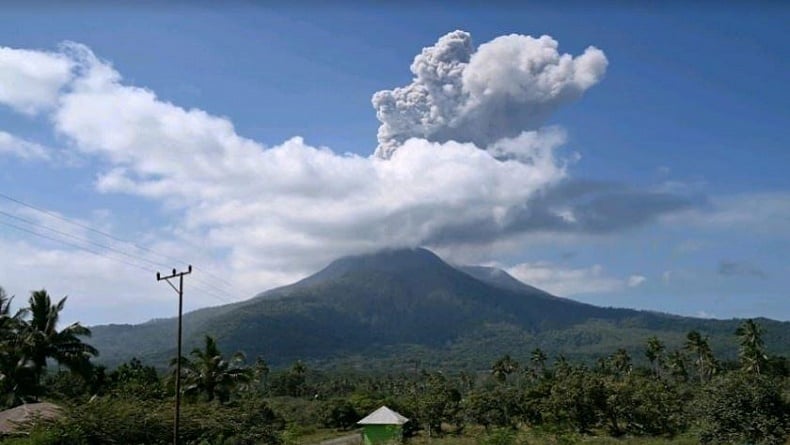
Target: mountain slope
(396,306)
(499,278)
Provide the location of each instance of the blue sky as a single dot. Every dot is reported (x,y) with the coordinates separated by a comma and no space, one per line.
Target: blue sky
(660,184)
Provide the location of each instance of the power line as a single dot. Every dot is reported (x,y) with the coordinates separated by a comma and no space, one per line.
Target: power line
(218,278)
(111,236)
(62,218)
(217,296)
(210,285)
(76,246)
(79,238)
(202,289)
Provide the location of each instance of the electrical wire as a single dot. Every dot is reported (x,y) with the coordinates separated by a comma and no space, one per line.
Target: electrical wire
(203,287)
(81,239)
(108,235)
(199,289)
(76,246)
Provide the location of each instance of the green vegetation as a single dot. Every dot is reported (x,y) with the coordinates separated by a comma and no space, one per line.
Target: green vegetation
(683,394)
(29,338)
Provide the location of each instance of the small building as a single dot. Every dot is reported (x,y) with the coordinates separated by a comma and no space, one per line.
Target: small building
(383,426)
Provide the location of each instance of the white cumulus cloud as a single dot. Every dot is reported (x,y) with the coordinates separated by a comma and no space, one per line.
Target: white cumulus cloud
(636,280)
(564,281)
(31,80)
(21,148)
(276,212)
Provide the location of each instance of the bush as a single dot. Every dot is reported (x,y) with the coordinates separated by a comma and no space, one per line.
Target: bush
(140,422)
(339,413)
(739,408)
(298,411)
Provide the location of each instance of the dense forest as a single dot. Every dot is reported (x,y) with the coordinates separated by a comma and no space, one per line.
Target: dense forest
(679,395)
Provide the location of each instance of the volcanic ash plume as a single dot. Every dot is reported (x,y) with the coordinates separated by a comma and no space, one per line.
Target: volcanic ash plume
(503,88)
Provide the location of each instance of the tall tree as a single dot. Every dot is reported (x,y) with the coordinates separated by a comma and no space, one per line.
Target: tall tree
(42,339)
(752,351)
(621,362)
(16,377)
(503,367)
(655,353)
(676,365)
(538,359)
(208,372)
(705,361)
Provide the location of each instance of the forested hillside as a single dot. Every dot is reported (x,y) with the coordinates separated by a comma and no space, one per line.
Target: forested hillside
(680,395)
(398,307)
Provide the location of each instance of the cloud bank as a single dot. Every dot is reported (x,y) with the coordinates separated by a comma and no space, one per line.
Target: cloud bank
(462,158)
(566,281)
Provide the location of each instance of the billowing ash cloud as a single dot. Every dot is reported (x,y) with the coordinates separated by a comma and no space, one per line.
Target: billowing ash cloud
(462,159)
(572,206)
(279,211)
(508,85)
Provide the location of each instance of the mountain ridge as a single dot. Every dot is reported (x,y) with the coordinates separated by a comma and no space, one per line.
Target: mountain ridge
(397,304)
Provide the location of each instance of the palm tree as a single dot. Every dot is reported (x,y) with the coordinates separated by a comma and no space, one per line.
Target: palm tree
(15,370)
(260,372)
(210,374)
(9,324)
(655,353)
(43,341)
(705,362)
(503,368)
(621,361)
(752,352)
(538,359)
(676,365)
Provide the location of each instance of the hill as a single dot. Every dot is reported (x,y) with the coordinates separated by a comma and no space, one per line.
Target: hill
(407,307)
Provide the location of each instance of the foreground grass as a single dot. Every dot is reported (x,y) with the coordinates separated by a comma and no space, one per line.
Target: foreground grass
(530,438)
(522,437)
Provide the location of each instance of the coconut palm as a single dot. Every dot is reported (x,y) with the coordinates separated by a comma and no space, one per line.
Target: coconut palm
(705,361)
(9,324)
(538,359)
(621,362)
(655,353)
(208,373)
(676,365)
(42,340)
(503,368)
(29,337)
(15,370)
(752,352)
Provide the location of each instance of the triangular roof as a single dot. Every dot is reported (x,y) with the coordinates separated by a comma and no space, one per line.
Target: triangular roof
(383,416)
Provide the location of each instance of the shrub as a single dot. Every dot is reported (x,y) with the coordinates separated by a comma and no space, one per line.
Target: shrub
(142,422)
(737,408)
(339,413)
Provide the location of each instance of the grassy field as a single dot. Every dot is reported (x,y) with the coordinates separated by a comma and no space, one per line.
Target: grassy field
(531,438)
(501,437)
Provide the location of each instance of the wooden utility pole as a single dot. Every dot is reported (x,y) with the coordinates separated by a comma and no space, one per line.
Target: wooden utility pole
(180,291)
